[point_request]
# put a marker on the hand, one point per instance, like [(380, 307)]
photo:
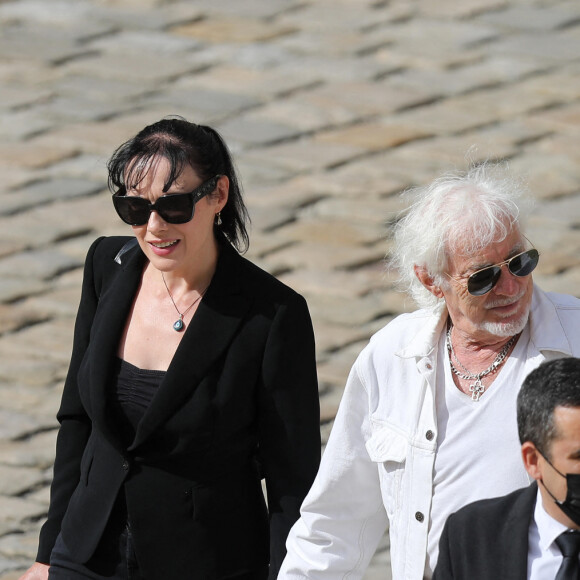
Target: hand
[(37, 571)]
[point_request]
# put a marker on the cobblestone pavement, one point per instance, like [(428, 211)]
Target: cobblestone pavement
[(332, 107)]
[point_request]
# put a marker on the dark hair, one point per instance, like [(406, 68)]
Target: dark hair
[(553, 384), (183, 143)]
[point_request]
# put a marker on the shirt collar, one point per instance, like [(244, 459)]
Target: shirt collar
[(546, 331), (548, 528), (425, 342)]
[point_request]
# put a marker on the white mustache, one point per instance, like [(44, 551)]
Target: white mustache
[(505, 301)]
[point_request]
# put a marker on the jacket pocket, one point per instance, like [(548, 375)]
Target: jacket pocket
[(388, 449)]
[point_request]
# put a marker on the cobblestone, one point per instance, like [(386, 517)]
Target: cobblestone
[(35, 451), (331, 108)]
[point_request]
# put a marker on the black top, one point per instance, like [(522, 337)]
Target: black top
[(133, 390)]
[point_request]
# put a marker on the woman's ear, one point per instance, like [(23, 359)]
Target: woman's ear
[(222, 192), (427, 280)]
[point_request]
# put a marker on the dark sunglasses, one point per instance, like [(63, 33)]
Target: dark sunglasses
[(174, 208), (482, 281)]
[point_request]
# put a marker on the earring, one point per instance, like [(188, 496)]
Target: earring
[(218, 218)]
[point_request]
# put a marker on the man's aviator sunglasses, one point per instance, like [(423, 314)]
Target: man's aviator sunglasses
[(174, 208), (482, 281)]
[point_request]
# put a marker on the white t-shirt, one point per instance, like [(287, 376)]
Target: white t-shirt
[(478, 449)]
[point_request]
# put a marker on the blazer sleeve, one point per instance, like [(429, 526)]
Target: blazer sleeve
[(75, 426), (289, 420)]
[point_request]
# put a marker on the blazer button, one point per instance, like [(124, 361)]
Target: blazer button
[(419, 517), (126, 465), (429, 435)]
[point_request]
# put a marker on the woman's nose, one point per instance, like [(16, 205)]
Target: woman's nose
[(156, 223)]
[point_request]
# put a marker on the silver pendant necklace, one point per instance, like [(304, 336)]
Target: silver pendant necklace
[(477, 389), (179, 325)]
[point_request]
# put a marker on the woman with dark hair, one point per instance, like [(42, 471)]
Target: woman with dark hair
[(192, 378)]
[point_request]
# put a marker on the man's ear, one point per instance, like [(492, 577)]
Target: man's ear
[(427, 280), (532, 457)]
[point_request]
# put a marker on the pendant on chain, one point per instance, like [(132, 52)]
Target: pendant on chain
[(179, 325), (477, 390)]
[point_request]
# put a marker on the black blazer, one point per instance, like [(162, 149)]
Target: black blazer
[(488, 539), (239, 402)]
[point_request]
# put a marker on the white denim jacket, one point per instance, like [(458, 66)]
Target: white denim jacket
[(378, 465)]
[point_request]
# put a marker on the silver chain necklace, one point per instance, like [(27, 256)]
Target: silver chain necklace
[(477, 387), (179, 325)]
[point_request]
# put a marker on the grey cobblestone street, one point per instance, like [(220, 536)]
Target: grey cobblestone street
[(331, 107)]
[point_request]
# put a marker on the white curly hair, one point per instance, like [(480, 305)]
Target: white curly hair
[(458, 213)]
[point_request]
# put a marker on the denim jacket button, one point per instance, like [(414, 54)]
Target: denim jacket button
[(419, 517), (429, 435)]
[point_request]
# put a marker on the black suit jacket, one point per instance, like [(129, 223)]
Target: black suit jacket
[(239, 402), (488, 539)]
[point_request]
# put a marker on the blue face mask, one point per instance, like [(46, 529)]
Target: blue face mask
[(571, 505)]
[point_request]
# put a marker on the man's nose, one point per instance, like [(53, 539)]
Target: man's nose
[(508, 284)]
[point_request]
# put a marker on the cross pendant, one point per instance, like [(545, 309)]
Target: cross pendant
[(476, 390)]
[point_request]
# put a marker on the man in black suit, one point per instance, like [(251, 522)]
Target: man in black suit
[(519, 536)]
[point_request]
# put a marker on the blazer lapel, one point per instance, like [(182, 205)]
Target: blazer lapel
[(514, 536), (213, 326), (115, 302)]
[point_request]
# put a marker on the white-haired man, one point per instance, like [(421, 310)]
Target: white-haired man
[(427, 422)]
